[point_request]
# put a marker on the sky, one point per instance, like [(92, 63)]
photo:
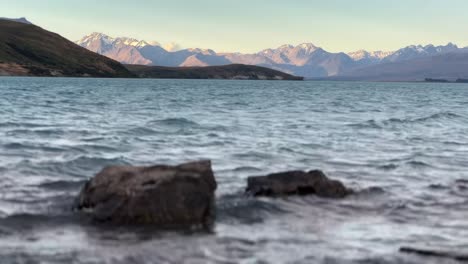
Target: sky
[(252, 25)]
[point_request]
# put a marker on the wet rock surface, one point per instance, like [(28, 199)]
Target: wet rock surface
[(296, 183), (164, 196)]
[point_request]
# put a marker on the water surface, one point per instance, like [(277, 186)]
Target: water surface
[(408, 139)]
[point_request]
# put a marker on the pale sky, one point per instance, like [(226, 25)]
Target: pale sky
[(253, 25)]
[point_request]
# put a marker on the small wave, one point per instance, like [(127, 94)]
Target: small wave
[(16, 145), (379, 124), (141, 131), (388, 167), (253, 154), (178, 122), (82, 166), (96, 147), (461, 181), (21, 222), (417, 164), (367, 124), (442, 115), (247, 169), (438, 186), (38, 132), (22, 124), (62, 185), (373, 190), (246, 210)]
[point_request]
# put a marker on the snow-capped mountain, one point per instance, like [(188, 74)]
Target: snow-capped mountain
[(304, 59), (419, 51), (134, 51), (369, 57)]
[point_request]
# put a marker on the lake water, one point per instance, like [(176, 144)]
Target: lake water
[(408, 139)]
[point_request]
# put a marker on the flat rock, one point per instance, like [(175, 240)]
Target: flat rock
[(296, 183), (165, 196)]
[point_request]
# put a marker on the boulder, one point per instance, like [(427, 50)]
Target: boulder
[(164, 196), (296, 183)]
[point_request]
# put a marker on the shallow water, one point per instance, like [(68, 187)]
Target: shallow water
[(410, 140)]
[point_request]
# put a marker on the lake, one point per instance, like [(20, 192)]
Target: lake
[(402, 146)]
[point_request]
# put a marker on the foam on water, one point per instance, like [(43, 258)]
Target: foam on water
[(404, 146)]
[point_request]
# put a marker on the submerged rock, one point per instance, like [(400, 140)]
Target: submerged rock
[(296, 183), (165, 196)]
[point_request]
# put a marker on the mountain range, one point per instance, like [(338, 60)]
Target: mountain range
[(28, 50), (305, 59)]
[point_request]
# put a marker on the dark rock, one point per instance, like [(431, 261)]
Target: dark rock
[(435, 253), (165, 196), (296, 183)]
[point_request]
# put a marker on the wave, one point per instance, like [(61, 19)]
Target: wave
[(380, 124), (247, 169), (62, 185), (22, 124), (254, 155), (388, 167), (19, 146), (240, 208), (141, 131), (416, 163), (26, 221), (82, 166), (174, 122), (38, 132)]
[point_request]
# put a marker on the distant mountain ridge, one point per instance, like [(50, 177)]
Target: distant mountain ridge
[(305, 59), (449, 66)]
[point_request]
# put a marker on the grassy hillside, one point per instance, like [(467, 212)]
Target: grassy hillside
[(233, 71), (32, 51)]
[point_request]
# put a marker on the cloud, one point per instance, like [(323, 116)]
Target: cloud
[(154, 43), (172, 46)]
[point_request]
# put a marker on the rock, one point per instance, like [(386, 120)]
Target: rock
[(165, 196), (296, 183), (435, 253)]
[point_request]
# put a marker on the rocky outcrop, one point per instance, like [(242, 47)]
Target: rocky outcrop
[(164, 196), (296, 183)]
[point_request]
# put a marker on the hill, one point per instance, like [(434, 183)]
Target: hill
[(233, 71), (28, 50)]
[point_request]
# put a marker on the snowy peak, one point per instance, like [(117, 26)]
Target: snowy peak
[(307, 47), (406, 53), (418, 51), (94, 37), (202, 51), (362, 55), (289, 54)]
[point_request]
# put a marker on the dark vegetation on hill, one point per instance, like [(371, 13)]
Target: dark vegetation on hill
[(28, 50), (233, 71)]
